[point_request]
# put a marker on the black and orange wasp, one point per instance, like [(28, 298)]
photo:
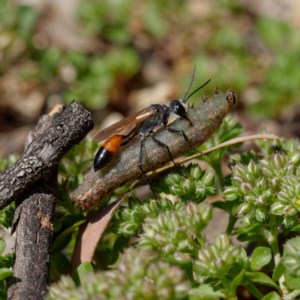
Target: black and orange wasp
[(144, 123)]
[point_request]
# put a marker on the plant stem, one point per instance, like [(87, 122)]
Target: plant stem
[(253, 290), (273, 241), (292, 295)]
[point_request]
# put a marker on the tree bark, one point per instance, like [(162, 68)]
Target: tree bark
[(64, 130), (35, 193), (33, 222)]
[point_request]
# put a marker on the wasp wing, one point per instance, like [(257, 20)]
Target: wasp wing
[(132, 120)]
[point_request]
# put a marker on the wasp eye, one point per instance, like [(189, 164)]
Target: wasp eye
[(177, 108)]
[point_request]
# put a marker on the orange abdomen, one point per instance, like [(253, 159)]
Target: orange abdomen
[(107, 150), (113, 144)]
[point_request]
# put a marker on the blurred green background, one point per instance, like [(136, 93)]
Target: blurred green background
[(122, 55)]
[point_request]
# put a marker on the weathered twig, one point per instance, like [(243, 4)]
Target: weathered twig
[(35, 205), (65, 130), (33, 224), (206, 118), (34, 228)]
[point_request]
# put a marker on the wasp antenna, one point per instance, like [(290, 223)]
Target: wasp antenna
[(190, 85), (196, 90)]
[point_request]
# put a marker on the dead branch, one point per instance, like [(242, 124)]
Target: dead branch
[(35, 205), (66, 129)]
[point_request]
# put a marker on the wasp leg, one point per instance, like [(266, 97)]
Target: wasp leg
[(163, 145), (141, 161), (172, 129)]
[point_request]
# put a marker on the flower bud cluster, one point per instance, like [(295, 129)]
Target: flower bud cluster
[(176, 234), (192, 184), (128, 220), (139, 275), (215, 260), (268, 185), (291, 257)]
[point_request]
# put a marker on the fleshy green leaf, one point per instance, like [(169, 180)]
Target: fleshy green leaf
[(205, 292), (5, 272), (293, 282), (82, 271), (271, 296), (262, 278), (63, 239), (237, 280), (2, 246), (296, 228), (260, 257)]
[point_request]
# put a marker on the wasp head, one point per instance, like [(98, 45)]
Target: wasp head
[(178, 108)]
